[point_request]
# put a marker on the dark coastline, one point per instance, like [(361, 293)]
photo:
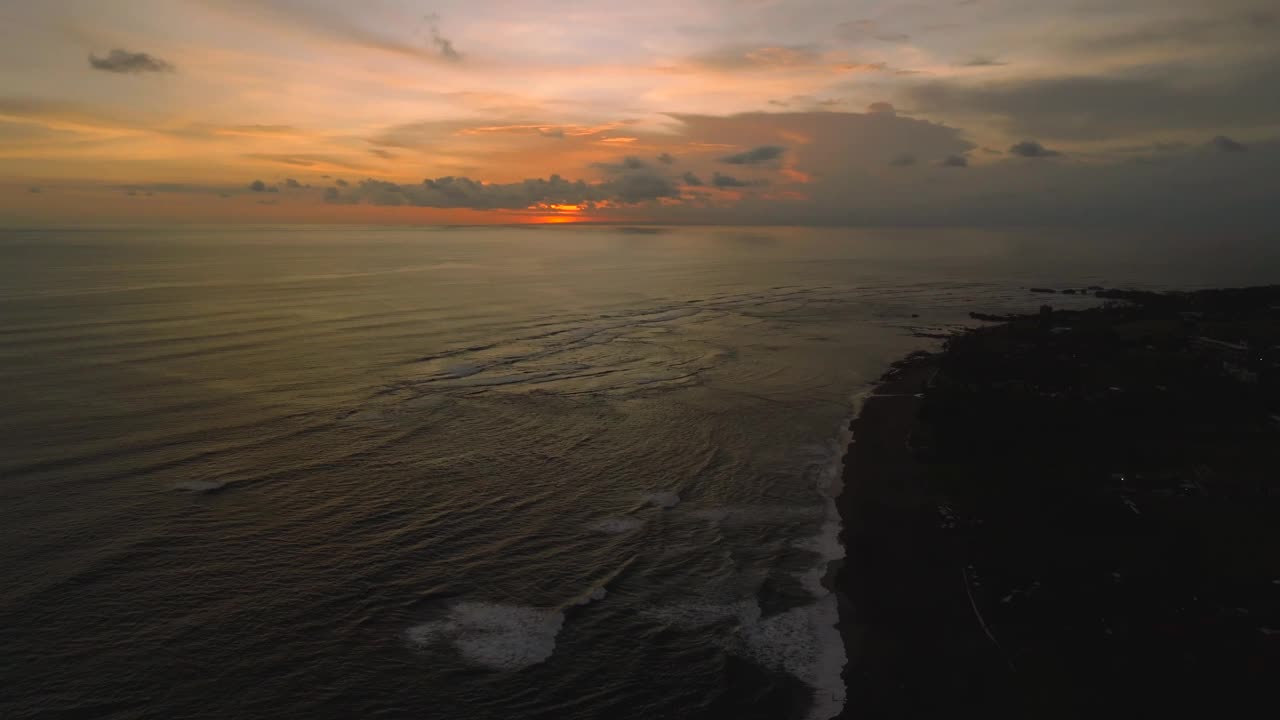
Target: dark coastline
[(1070, 514), (913, 646)]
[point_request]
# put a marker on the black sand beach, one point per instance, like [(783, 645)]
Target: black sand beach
[(914, 645), (1071, 514)]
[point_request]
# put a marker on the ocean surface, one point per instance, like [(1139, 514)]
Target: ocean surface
[(472, 473)]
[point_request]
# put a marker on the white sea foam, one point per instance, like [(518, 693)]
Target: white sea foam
[(803, 642), (664, 500), (826, 543), (498, 637), (617, 525), (815, 628)]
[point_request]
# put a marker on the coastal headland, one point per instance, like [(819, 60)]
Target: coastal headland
[(1071, 514)]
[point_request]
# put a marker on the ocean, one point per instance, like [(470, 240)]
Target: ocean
[(551, 472)]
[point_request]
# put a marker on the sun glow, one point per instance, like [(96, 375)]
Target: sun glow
[(549, 213), (555, 219)]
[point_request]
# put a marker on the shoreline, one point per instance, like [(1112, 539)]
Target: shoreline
[(902, 604)]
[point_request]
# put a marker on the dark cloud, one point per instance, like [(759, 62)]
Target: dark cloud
[(334, 196), (638, 188), (384, 154), (1219, 26), (864, 29), (846, 159), (557, 133), (955, 161), (904, 160), (462, 192), (442, 44), (292, 183), (1118, 104), (983, 61), (627, 164), (756, 156), (341, 183), (1189, 188), (882, 107), (1032, 149), (728, 181), (125, 62), (1226, 144), (666, 158), (347, 23), (259, 186), (34, 189), (843, 151)]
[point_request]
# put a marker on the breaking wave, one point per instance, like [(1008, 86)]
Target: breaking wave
[(497, 637)]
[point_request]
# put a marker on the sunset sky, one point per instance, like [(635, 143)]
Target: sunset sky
[(685, 111)]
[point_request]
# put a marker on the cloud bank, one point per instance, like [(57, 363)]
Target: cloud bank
[(762, 154), (1032, 149), (464, 192), (129, 63)]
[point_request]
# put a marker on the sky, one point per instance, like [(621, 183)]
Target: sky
[(827, 112)]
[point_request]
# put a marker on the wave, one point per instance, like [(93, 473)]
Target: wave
[(826, 666), (803, 642), (497, 637)]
